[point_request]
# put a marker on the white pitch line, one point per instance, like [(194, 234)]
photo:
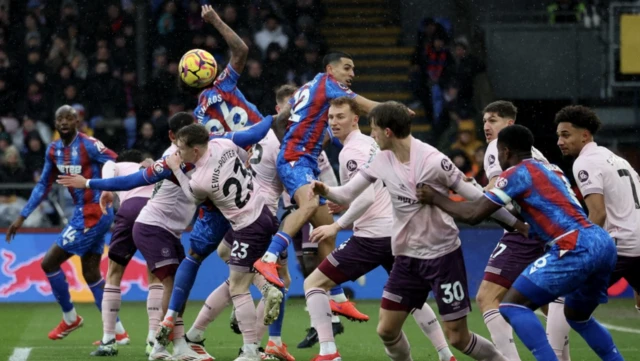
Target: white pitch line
[(607, 326), (20, 354)]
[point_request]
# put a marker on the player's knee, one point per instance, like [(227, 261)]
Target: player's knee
[(224, 252), (457, 336), (114, 273), (386, 332), (91, 275), (486, 299)]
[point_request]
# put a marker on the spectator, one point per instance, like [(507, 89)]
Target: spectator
[(5, 141), (566, 11), (275, 69), (310, 66), (104, 93), (36, 104), (463, 71), (481, 176), (34, 154), (80, 66), (148, 142), (254, 51), (7, 96), (122, 53), (254, 86), (271, 33), (12, 170), (194, 20), (29, 125), (34, 65), (467, 141)]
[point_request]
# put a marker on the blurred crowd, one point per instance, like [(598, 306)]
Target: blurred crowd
[(85, 53)]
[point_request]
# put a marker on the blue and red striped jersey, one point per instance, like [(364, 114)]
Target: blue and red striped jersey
[(545, 199), (85, 156), (223, 108), (309, 116)]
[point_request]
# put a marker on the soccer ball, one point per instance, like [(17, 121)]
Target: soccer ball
[(197, 68)]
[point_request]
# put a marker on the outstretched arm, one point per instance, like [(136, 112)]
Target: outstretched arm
[(252, 135), (239, 49), (471, 191), (344, 194), (469, 212)]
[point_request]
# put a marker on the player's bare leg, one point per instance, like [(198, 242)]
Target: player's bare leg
[(488, 298), (396, 344), (471, 344), (51, 265)]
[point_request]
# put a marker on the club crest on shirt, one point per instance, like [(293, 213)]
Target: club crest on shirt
[(343, 86), (74, 151), (501, 182), (446, 165), (158, 167), (352, 165), (583, 176), (492, 159)]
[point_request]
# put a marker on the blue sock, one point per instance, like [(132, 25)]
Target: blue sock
[(60, 289), (337, 290), (279, 243), (275, 329), (185, 277), (529, 329), (598, 338)]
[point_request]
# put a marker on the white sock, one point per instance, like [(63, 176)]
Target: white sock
[(195, 335), (179, 343), (335, 319), (119, 328), (250, 348), (270, 258), (328, 348), (70, 317), (276, 339), (151, 336), (339, 298), (445, 354), (171, 313), (108, 337)]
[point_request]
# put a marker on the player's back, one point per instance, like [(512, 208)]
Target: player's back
[(377, 221), (309, 117), (221, 175), (168, 207), (265, 174), (127, 168), (223, 108), (546, 202), (419, 231), (598, 170)]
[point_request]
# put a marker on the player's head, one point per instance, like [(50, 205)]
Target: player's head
[(343, 116), (576, 126), (496, 116), (178, 121), (389, 121), (192, 142), (283, 94), (130, 155), (66, 121), (340, 66), (514, 145)]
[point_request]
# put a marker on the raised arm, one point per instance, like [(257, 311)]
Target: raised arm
[(344, 194), (239, 49), (252, 135)]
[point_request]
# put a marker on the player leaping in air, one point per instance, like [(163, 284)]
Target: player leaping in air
[(580, 255), (73, 153), (298, 164)]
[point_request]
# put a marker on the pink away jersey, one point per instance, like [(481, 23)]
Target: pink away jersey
[(263, 167), (126, 168), (221, 177), (169, 207), (492, 165), (598, 171), (419, 231), (358, 151)]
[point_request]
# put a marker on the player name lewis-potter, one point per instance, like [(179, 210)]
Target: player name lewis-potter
[(215, 178)]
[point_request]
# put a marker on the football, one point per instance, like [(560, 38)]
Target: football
[(197, 68)]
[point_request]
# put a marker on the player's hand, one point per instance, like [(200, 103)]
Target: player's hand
[(174, 161), (318, 188), (425, 194), (13, 228), (72, 181), (147, 163), (208, 14), (522, 227), (335, 208), (322, 233), (106, 201)]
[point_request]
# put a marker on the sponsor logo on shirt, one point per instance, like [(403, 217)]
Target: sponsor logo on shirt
[(583, 176), (69, 169)]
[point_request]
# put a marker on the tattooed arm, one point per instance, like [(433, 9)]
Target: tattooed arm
[(239, 49)]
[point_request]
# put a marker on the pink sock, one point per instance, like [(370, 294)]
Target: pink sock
[(428, 323), (398, 349), (246, 316), (259, 281), (154, 307), (320, 311), (178, 329), (501, 334), (215, 303), (481, 349), (260, 326), (558, 330), (111, 301)]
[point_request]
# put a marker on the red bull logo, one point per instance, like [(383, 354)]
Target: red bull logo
[(24, 276)]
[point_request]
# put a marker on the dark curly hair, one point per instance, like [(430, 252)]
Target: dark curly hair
[(580, 116)]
